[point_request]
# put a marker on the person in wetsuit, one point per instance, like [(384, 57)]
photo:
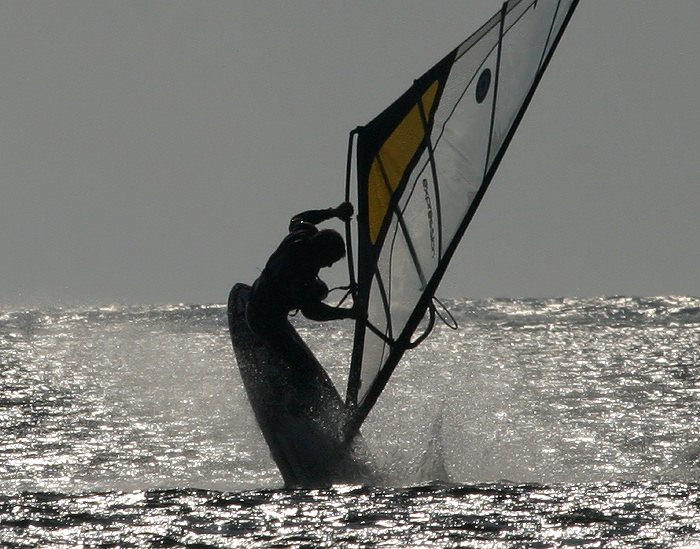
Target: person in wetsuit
[(290, 282)]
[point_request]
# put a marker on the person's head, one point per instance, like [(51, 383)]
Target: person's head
[(328, 247)]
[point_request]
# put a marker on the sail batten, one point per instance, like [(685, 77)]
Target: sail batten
[(422, 168)]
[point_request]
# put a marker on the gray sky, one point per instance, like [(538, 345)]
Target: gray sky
[(153, 152)]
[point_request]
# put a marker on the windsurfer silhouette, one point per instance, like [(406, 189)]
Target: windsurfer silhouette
[(290, 282)]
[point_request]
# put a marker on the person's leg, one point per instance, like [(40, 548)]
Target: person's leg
[(279, 334)]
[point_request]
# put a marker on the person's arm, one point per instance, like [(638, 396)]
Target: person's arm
[(343, 212), (318, 310)]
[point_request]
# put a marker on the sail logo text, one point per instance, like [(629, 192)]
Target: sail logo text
[(429, 205)]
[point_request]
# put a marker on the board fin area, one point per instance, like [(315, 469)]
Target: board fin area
[(297, 408)]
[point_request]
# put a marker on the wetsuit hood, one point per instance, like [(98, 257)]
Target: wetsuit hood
[(328, 247)]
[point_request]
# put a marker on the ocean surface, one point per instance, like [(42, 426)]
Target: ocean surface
[(537, 423)]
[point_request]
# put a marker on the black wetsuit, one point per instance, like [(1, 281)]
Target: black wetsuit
[(290, 282)]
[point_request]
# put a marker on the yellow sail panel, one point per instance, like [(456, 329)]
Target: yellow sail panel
[(394, 157)]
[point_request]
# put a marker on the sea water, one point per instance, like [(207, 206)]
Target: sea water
[(537, 423)]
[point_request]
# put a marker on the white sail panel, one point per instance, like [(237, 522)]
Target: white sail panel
[(530, 29)]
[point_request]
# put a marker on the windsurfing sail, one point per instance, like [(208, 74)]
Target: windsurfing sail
[(422, 167)]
